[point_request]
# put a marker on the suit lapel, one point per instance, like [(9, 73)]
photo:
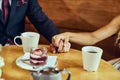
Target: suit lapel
[(1, 17), (12, 11)]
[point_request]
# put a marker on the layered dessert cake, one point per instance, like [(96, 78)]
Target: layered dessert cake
[(38, 56)]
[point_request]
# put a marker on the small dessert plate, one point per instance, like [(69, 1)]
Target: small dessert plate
[(23, 62)]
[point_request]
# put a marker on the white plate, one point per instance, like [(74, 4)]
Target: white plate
[(51, 62)]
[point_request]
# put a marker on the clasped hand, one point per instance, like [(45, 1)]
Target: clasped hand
[(60, 44)]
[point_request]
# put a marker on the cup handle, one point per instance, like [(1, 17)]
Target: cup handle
[(16, 42), (68, 72)]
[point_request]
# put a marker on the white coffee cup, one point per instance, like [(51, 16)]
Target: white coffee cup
[(2, 63), (29, 40), (91, 56)]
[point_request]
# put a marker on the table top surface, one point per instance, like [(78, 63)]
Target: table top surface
[(71, 60)]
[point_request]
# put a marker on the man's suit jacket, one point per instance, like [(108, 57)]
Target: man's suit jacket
[(16, 22)]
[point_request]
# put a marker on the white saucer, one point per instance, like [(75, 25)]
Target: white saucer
[(51, 62)]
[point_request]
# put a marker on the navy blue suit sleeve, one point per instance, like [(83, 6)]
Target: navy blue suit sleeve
[(42, 23)]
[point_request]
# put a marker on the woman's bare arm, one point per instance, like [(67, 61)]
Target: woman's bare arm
[(90, 38), (107, 30)]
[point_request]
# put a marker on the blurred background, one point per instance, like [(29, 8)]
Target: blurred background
[(82, 15)]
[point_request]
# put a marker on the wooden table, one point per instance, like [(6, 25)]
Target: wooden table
[(71, 61)]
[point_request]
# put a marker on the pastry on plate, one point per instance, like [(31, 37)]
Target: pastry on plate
[(38, 56)]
